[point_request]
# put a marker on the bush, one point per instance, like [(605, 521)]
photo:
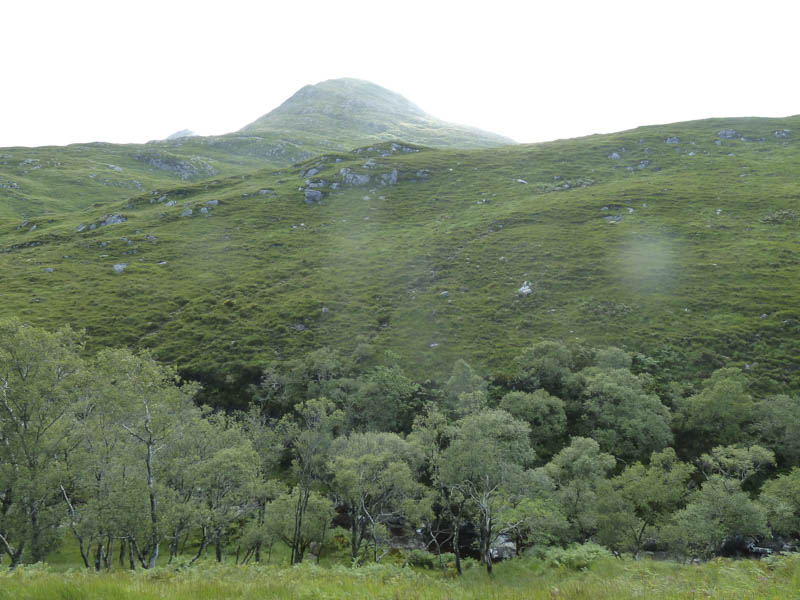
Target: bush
[(422, 559), (577, 556)]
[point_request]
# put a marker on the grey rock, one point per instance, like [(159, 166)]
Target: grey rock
[(120, 267), (643, 164), (525, 289), (370, 164), (613, 218), (80, 227), (614, 156), (753, 139), (266, 192), (521, 181), (691, 153), (350, 178), (445, 294), (171, 203), (203, 210), (212, 202), (673, 139), (48, 269), (312, 196), (718, 142), (187, 212), (311, 172), (502, 548), (112, 220), (727, 134), (783, 133), (150, 238), (389, 178), (115, 168)]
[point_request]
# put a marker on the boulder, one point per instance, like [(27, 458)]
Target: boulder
[(350, 178), (389, 178), (525, 289), (673, 139), (502, 548), (783, 133), (120, 267), (614, 156), (727, 134), (312, 196)]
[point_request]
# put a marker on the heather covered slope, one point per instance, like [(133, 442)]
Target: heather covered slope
[(680, 241)]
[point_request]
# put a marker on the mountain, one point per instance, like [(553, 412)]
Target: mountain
[(334, 115), (679, 241), (181, 134), (345, 113)]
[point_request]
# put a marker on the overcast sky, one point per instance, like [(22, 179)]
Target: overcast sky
[(131, 71)]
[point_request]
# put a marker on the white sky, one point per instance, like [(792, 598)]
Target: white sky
[(131, 71)]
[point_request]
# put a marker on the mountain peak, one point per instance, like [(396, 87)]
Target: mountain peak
[(357, 112)]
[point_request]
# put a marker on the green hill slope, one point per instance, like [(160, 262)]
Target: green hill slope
[(339, 114), (680, 240)]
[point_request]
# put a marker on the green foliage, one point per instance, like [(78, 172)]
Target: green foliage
[(543, 413), (781, 498), (621, 415), (719, 413), (577, 472), (576, 557), (718, 511), (778, 425), (635, 503)]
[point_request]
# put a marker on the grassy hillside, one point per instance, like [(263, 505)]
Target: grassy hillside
[(341, 114), (687, 250), (334, 115)]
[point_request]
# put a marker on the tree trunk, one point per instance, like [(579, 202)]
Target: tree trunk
[(218, 549), (151, 563), (108, 557), (203, 542), (98, 554), (457, 545)]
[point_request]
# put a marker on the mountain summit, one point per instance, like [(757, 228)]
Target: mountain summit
[(355, 112)]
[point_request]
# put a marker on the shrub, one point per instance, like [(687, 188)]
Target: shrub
[(577, 556)]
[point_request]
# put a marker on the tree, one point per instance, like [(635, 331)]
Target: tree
[(384, 400), (640, 499), (40, 383), (719, 414), (543, 413), (545, 365), (281, 521), (373, 477), (310, 437), (577, 472), (781, 499), (224, 478), (489, 450), (153, 407), (621, 416), (736, 462), (718, 511), (465, 391), (777, 420)]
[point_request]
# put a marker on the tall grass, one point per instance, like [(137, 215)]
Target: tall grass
[(526, 578)]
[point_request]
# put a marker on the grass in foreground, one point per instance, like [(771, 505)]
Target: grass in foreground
[(524, 578)]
